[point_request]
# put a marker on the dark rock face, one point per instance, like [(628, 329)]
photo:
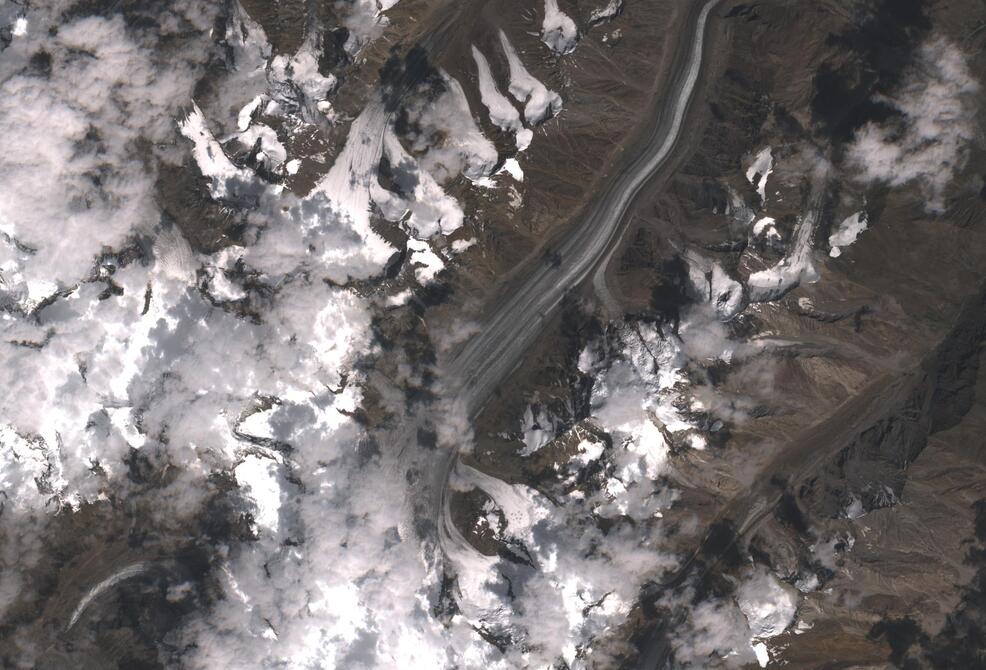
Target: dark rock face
[(962, 641), (113, 588), (874, 55), (207, 225), (284, 22), (934, 397)]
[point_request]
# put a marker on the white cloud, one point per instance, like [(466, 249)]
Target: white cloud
[(165, 364), (225, 178), (104, 95), (450, 141), (930, 143), (155, 366), (272, 150), (365, 21), (426, 262), (715, 634), (768, 604), (576, 588), (730, 632), (765, 227), (303, 68), (77, 183), (428, 209)]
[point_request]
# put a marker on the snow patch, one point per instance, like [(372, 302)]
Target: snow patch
[(426, 263), (759, 170), (428, 209), (259, 481), (796, 267), (245, 117), (558, 30), (502, 112), (726, 293), (272, 151), (537, 428), (540, 102), (633, 399), (609, 11), (768, 604), (211, 159), (765, 226), (512, 167), (458, 246), (846, 233), (763, 656)]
